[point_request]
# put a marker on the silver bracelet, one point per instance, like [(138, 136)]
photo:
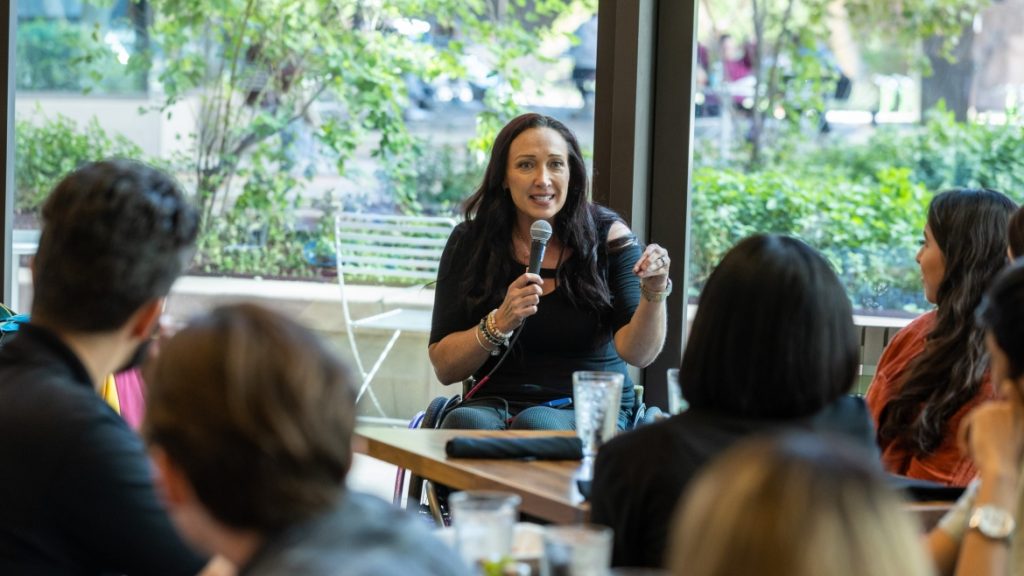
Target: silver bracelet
[(656, 296), (489, 336)]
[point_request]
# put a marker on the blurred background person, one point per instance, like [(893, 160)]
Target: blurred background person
[(249, 421), (935, 370), (794, 505), (584, 62)]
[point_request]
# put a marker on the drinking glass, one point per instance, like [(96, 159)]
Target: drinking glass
[(579, 550), (484, 523), (676, 402), (596, 398)]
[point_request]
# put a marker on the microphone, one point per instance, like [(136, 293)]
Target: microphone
[(540, 232)]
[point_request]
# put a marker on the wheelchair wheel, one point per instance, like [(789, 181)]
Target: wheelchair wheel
[(431, 420), (432, 415)]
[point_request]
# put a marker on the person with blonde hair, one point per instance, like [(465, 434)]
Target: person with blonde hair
[(794, 505)]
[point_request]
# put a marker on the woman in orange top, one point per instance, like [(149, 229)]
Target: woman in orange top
[(935, 370)]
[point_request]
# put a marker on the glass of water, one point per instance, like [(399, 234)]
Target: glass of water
[(484, 523), (596, 398)]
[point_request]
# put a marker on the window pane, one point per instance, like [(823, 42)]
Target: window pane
[(278, 118), (837, 125)]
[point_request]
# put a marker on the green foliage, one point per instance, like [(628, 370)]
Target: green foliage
[(56, 55), (909, 21), (49, 148), (791, 73), (444, 176), (868, 232), (337, 68), (941, 154), (256, 235), (261, 65), (862, 205)]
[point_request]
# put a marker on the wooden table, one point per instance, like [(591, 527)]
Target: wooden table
[(548, 488)]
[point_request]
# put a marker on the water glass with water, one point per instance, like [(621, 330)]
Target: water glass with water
[(596, 398), (484, 523)]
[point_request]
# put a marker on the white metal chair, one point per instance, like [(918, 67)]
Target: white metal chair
[(386, 249), (875, 333)]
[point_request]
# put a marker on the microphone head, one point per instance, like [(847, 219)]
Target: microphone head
[(540, 231)]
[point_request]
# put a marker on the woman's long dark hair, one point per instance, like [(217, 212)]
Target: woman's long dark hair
[(1002, 314), (491, 215), (969, 227), (773, 337)]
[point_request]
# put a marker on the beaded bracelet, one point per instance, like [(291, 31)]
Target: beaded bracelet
[(492, 326), (489, 336), (491, 351)]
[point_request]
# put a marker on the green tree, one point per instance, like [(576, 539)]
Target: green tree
[(791, 78), (256, 68)]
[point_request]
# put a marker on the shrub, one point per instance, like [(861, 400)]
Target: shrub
[(52, 147), (869, 232)]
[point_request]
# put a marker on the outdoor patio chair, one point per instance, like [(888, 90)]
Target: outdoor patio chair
[(385, 249)]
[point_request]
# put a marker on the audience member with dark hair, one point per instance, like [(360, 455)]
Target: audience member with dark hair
[(935, 370), (77, 487), (1016, 234), (772, 346), (982, 534), (794, 505), (597, 304), (250, 421)]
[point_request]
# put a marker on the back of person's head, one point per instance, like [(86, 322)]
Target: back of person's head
[(116, 234), (773, 336), (970, 229), (1016, 234), (1001, 313), (256, 412), (796, 505)]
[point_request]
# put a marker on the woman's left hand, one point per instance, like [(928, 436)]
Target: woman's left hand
[(653, 264)]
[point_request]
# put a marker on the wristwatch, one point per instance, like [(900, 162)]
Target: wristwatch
[(992, 522)]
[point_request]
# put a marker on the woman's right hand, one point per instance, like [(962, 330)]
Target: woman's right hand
[(993, 435), (521, 300)]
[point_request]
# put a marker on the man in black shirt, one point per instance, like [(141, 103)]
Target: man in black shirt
[(76, 490)]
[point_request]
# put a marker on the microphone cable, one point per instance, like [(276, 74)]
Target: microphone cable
[(479, 384)]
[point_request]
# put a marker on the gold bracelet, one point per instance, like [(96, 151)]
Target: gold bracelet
[(656, 296), (491, 351), (490, 336)]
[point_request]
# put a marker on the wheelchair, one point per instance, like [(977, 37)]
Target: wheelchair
[(430, 499)]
